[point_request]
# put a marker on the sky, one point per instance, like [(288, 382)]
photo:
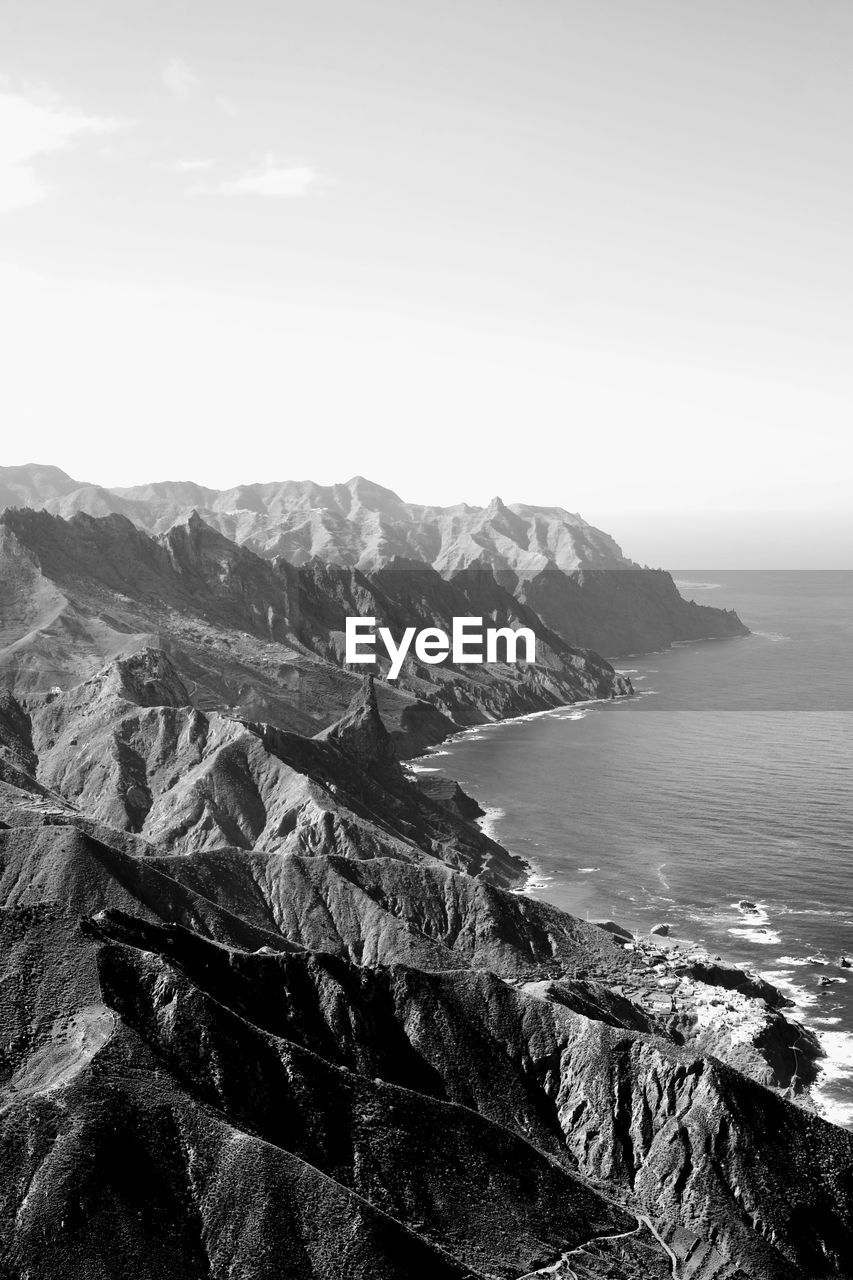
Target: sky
[(568, 252)]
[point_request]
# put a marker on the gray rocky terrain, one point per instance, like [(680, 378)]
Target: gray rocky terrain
[(272, 1004), (353, 1052)]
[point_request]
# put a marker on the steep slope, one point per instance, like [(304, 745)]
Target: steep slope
[(632, 611), (128, 750)]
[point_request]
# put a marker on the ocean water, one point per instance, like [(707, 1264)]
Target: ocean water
[(728, 778)]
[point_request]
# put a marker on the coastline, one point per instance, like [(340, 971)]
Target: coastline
[(734, 1014)]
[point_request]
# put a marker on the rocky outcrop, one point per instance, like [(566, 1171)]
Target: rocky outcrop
[(622, 611), (362, 735)]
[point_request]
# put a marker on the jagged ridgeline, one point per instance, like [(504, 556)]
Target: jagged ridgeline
[(269, 1005), (283, 565)]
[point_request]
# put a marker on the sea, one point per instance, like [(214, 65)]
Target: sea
[(718, 800)]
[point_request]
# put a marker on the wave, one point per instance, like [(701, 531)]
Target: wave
[(488, 822), (835, 1110), (838, 1048), (803, 998), (535, 881), (684, 585), (840, 912), (762, 936)]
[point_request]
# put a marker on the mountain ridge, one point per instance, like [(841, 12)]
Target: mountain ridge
[(256, 639), (575, 577), (358, 522)]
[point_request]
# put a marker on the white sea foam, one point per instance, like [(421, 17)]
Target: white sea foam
[(843, 912), (536, 880), (761, 936), (489, 821), (835, 1069), (585, 871), (570, 710), (781, 978), (774, 636), (684, 585), (833, 1109), (838, 1063)]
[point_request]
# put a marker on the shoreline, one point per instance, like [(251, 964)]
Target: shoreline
[(835, 1043)]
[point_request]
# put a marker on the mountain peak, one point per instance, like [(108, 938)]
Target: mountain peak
[(361, 733), (364, 489)]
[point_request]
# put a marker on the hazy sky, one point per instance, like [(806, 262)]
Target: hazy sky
[(587, 252)]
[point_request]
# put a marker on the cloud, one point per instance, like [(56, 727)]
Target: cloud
[(272, 179), (192, 166), (179, 78), (32, 126)]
